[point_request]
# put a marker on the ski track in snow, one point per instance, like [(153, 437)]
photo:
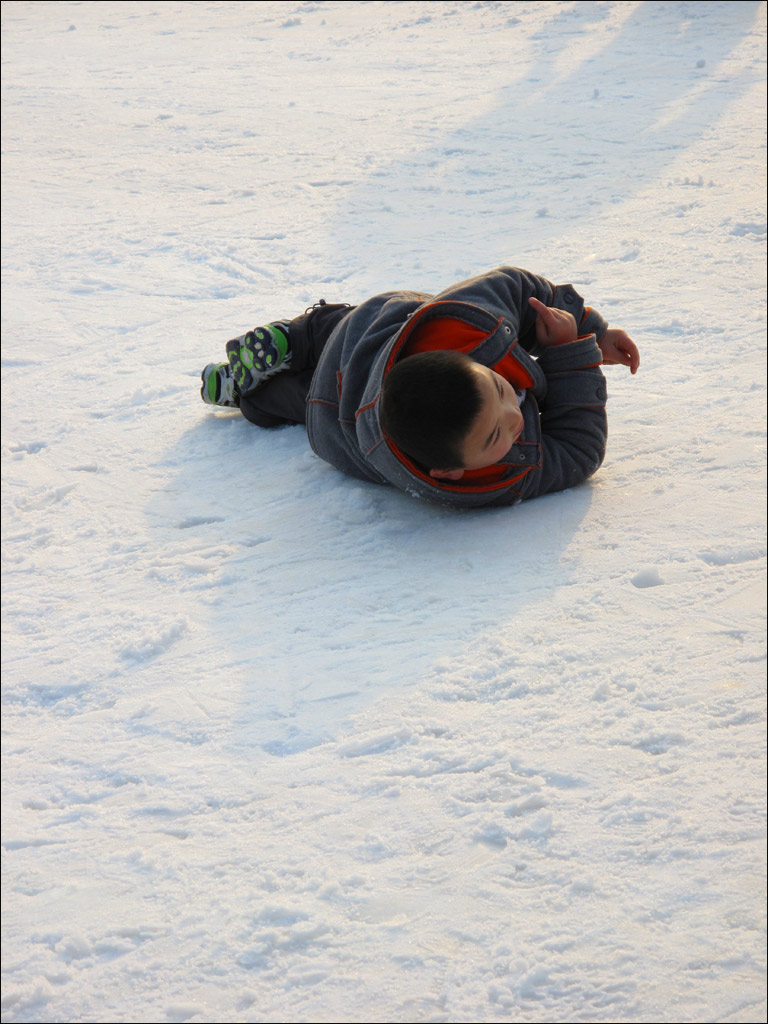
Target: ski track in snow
[(280, 745)]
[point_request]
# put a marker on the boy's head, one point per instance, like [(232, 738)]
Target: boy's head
[(449, 413)]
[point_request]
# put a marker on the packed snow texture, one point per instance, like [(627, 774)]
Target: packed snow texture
[(283, 746)]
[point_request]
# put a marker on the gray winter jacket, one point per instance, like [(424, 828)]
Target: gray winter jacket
[(564, 434)]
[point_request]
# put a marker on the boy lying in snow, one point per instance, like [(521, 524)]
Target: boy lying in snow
[(486, 394)]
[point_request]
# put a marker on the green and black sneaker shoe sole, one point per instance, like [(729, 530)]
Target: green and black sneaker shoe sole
[(258, 355)]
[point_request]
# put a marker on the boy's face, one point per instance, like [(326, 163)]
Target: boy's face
[(498, 424), (496, 428)]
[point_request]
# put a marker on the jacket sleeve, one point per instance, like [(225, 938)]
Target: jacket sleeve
[(572, 415), (506, 291)]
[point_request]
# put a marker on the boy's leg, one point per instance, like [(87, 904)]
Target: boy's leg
[(282, 398), (310, 332)]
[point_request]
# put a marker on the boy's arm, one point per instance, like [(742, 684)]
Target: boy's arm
[(572, 417)]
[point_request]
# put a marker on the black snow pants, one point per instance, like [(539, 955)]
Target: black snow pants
[(282, 399)]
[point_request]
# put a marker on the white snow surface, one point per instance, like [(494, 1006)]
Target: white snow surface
[(284, 746)]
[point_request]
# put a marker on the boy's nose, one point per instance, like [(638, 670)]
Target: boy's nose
[(515, 420)]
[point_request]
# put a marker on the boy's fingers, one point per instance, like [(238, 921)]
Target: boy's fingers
[(631, 359), (546, 315), (631, 353)]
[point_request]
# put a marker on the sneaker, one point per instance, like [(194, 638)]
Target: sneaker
[(219, 386), (258, 355)]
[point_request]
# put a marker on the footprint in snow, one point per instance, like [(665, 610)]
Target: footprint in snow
[(647, 578)]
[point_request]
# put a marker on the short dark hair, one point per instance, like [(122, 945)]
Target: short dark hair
[(428, 404)]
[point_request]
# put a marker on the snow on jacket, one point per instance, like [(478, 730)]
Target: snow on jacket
[(489, 318)]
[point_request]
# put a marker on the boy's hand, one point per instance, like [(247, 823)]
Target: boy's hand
[(553, 326), (617, 347)]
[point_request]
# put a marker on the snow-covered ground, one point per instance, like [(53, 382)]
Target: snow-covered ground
[(282, 746)]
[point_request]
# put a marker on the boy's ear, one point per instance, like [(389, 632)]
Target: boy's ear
[(447, 474)]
